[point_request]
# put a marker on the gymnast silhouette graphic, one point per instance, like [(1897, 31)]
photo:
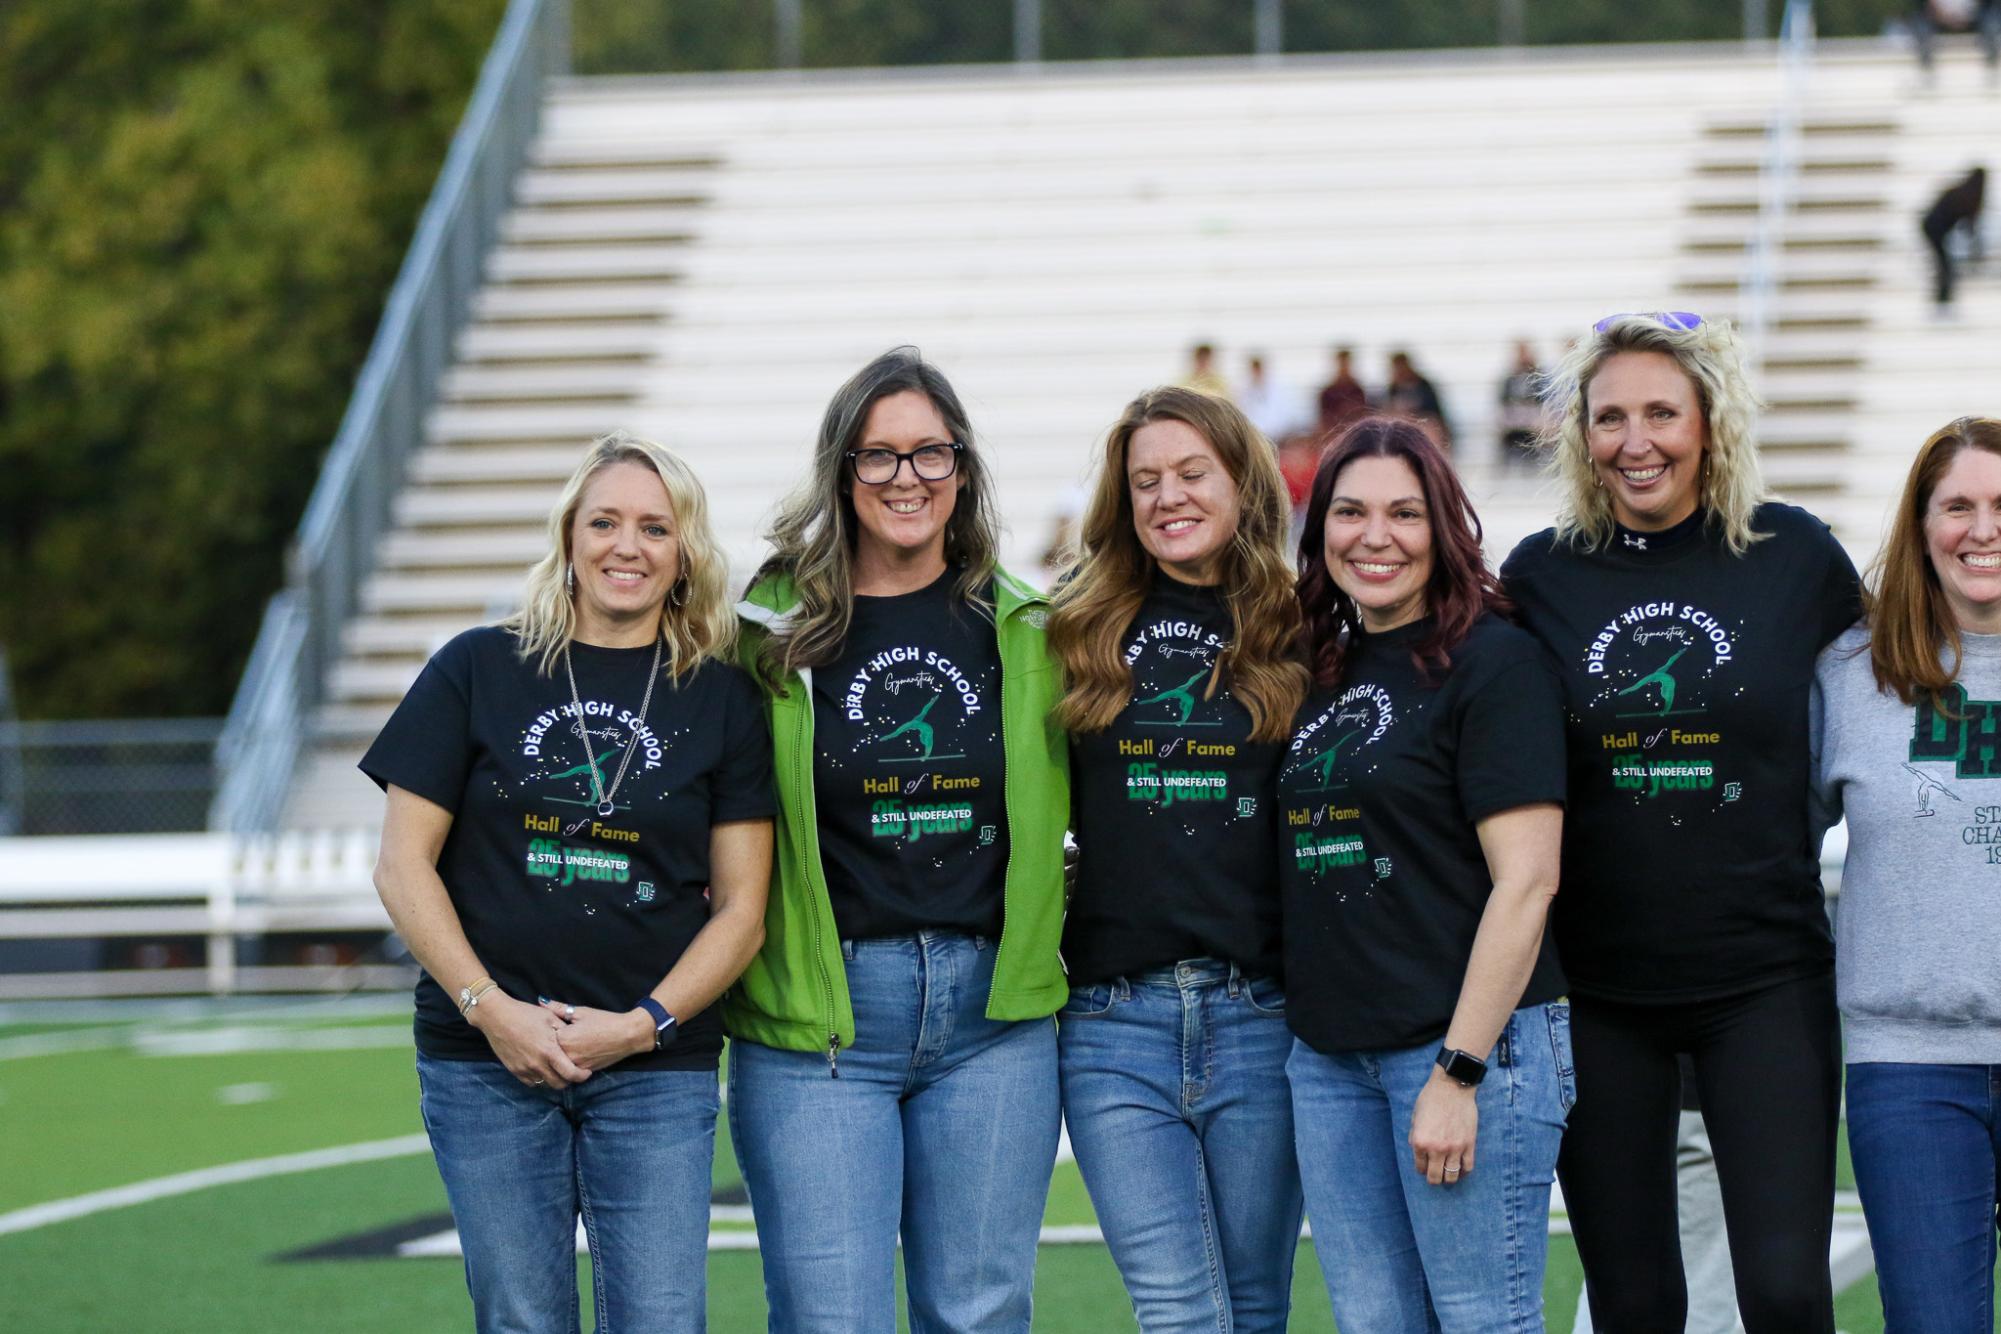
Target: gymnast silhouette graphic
[(1927, 785), (1180, 694), (1324, 761), (918, 728), (585, 768), (1659, 676)]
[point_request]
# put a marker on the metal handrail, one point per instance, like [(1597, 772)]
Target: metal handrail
[(1779, 176), (299, 640)]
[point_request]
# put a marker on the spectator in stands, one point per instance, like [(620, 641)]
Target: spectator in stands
[(1685, 611), (1958, 206), (1176, 637), (1904, 748), (1203, 377), (1421, 810), (1521, 407), (894, 1064), (1982, 15), (580, 810), (1270, 404), (1411, 395), (1342, 399)]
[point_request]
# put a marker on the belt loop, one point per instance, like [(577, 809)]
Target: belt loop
[(1236, 980), (848, 950), (1122, 990)]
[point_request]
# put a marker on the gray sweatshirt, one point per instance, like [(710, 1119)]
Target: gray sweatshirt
[(1918, 931)]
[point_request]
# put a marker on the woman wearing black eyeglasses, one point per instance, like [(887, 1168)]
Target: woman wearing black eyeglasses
[(894, 1069), (1685, 609)]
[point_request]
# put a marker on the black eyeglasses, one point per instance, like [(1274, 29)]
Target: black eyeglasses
[(1683, 321), (876, 466)]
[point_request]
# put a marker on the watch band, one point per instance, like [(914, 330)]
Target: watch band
[(1462, 1068), (666, 1027)]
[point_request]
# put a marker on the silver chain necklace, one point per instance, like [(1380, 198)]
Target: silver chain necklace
[(605, 808)]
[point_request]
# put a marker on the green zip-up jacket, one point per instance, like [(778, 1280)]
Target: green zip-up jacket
[(794, 995)]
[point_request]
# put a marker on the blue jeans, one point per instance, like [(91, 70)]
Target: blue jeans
[(1174, 1092), (1926, 1140), (937, 1120), (1401, 1255), (631, 1152)]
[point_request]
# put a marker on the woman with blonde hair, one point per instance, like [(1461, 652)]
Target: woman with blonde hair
[(1907, 732), (1684, 610), (894, 1064), (576, 847), (1178, 635)]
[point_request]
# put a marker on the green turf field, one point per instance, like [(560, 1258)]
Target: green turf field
[(95, 1098)]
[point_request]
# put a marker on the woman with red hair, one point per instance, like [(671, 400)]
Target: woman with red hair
[(1421, 804)]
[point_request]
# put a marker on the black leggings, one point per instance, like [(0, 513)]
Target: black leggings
[(1769, 1068)]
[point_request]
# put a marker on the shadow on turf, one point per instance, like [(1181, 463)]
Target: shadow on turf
[(387, 1242)]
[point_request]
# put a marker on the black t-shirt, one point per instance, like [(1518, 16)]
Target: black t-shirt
[(555, 899), (908, 768), (1688, 872), (1172, 807), (1378, 796)]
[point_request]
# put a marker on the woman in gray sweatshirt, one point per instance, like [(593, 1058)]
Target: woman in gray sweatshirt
[(1907, 738)]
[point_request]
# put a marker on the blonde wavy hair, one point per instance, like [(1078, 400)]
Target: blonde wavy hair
[(814, 534), (1910, 622), (1096, 605), (697, 621), (1732, 484)]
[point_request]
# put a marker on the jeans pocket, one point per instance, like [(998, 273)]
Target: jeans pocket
[(1265, 996), (1559, 1047), (1085, 1002)]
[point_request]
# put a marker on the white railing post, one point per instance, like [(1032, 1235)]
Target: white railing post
[(1777, 179)]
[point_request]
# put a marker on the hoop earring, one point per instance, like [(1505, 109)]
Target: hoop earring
[(570, 580), (679, 593)]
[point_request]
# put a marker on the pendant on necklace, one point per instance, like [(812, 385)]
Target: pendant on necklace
[(606, 808)]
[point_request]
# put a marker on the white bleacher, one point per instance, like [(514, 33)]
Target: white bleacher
[(705, 260), (216, 886)]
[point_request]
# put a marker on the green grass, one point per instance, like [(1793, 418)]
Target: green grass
[(86, 1120)]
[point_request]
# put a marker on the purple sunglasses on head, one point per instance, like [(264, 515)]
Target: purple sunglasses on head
[(1683, 320)]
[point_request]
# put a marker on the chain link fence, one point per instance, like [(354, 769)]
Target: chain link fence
[(122, 776)]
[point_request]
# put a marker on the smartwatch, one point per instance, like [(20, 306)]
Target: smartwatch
[(666, 1027), (1461, 1068)]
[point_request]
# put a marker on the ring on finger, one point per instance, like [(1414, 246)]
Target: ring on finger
[(569, 1012)]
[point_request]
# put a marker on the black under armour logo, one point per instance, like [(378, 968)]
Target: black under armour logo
[(1638, 543)]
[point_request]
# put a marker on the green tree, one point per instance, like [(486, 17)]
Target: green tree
[(202, 204)]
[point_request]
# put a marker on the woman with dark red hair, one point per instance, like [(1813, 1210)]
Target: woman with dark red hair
[(1422, 813)]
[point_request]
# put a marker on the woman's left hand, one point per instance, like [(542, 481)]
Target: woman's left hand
[(1443, 1127), (596, 1039)]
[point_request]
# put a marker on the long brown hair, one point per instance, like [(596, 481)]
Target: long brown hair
[(1114, 573), (1461, 587), (1909, 623), (814, 535)]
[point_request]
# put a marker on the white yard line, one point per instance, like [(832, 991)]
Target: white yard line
[(184, 1183)]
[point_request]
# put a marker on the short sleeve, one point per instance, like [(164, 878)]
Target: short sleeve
[(742, 786), (1840, 594), (426, 746), (1511, 741)]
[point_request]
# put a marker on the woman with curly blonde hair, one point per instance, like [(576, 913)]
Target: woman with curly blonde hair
[(1178, 635), (1684, 609), (576, 847)]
